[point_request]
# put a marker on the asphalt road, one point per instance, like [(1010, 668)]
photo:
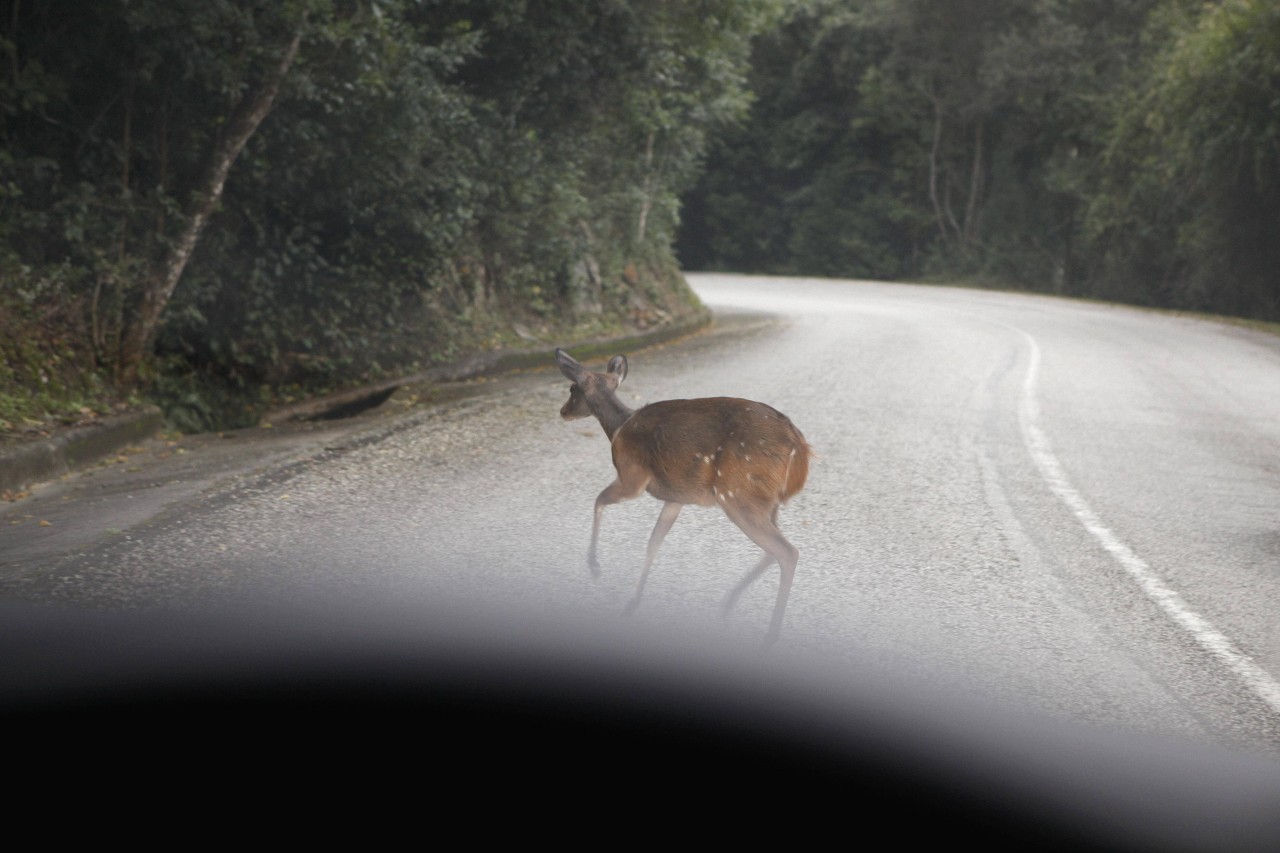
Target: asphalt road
[(1071, 507)]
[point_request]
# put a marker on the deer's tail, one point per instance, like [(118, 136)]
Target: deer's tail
[(797, 466)]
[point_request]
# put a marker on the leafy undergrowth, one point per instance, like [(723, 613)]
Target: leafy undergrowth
[(48, 379), (200, 394)]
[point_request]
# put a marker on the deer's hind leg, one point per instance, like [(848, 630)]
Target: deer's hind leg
[(747, 580), (762, 529), (750, 577)]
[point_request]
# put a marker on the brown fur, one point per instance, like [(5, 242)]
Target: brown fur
[(746, 457), (695, 450)]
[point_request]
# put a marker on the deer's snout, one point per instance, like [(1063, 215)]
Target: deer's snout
[(576, 407)]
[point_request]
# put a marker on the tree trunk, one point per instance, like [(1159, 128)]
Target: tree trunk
[(975, 189), (933, 171), (158, 289), (646, 202)]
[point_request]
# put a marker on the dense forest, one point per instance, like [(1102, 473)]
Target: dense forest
[(1126, 151), (213, 204)]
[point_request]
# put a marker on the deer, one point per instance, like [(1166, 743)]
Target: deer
[(743, 456)]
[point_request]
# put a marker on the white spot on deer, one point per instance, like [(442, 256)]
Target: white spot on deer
[(747, 457), (706, 459)]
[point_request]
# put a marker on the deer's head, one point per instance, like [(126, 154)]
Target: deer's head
[(588, 385)]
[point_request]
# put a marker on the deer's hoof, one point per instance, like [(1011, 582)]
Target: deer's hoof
[(594, 565), (631, 607)]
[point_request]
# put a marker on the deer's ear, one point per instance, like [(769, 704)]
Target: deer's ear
[(618, 367), (569, 366)]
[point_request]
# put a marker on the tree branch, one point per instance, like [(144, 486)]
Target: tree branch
[(245, 118)]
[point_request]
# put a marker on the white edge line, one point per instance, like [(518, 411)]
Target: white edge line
[(1257, 679)]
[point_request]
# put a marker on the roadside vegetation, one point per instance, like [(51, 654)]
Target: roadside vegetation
[(217, 204), (1120, 151)]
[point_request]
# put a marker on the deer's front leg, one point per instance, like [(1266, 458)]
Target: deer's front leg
[(615, 492), (670, 510)]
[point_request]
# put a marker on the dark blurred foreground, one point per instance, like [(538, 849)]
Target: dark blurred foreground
[(311, 724)]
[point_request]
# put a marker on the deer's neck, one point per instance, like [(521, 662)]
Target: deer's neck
[(611, 412)]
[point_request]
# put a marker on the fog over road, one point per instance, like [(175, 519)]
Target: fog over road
[(1064, 504)]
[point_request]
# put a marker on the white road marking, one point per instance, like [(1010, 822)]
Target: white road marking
[(1257, 679)]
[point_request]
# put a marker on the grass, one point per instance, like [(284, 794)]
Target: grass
[(45, 383)]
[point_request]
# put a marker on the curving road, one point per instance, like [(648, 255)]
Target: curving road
[(1071, 501), (1063, 504)]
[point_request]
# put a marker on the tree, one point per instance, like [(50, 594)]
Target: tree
[(247, 194), (1182, 210), (128, 119), (243, 119), (898, 138)]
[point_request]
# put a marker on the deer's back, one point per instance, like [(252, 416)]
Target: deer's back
[(712, 450)]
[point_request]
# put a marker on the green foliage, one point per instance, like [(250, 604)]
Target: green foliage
[(808, 184), (1119, 150), (46, 373), (429, 173), (1189, 193), (196, 400)]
